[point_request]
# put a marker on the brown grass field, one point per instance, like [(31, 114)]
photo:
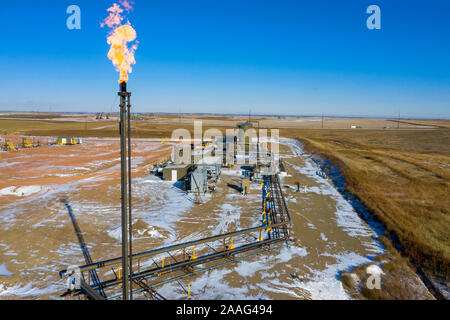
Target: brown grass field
[(403, 179), (401, 176)]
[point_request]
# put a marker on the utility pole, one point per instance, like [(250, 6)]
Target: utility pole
[(322, 120), (398, 121)]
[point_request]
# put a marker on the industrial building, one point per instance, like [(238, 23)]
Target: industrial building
[(204, 177), (198, 182)]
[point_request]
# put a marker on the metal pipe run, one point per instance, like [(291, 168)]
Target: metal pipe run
[(201, 270), (150, 253), (181, 265)]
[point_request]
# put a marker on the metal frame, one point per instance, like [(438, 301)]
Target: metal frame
[(277, 232)]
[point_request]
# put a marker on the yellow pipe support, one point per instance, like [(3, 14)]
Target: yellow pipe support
[(118, 277), (260, 238), (189, 289), (193, 257), (162, 263)]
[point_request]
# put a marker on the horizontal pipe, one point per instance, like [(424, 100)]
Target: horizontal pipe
[(145, 254), (200, 260), (195, 272)]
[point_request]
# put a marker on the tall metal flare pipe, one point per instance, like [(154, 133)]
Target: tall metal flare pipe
[(130, 221), (123, 166)]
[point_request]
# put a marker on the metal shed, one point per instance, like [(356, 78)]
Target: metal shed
[(212, 165), (175, 172), (198, 181)]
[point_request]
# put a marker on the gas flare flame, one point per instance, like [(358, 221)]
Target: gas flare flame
[(121, 55)]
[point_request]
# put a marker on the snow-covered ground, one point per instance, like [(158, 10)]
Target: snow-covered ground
[(293, 270), (305, 268)]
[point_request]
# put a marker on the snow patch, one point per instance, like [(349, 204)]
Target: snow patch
[(20, 191), (4, 270), (27, 290), (325, 284)]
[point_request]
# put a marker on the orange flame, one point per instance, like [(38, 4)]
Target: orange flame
[(118, 38)]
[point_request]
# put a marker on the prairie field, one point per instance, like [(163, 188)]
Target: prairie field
[(400, 175), (403, 178)]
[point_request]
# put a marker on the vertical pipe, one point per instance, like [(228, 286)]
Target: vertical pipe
[(130, 221), (123, 167)]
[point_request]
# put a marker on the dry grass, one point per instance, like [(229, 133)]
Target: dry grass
[(403, 179), (32, 115), (398, 281), (437, 123), (402, 176), (140, 129)]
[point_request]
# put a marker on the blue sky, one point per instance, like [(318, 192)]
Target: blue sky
[(273, 57)]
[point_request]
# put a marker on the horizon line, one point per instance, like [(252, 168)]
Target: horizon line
[(242, 115)]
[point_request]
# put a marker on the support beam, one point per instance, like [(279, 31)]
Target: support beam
[(91, 293)]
